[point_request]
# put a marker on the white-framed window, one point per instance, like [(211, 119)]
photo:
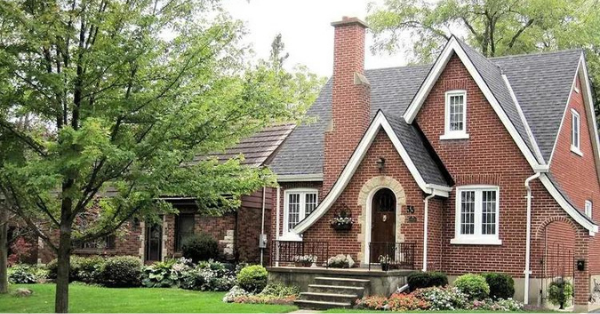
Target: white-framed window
[(455, 115), (588, 208), (477, 215), (575, 132), (298, 204)]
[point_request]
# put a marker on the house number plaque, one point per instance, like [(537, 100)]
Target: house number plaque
[(411, 219), (410, 209)]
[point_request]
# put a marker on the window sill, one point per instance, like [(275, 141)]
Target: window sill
[(576, 150), (476, 241), (454, 136), (290, 237)]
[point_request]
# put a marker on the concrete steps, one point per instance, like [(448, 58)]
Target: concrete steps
[(332, 292)]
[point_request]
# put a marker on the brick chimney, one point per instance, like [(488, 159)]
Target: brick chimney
[(351, 103)]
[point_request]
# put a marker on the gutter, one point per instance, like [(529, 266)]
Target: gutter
[(527, 270), (262, 225), (426, 228)]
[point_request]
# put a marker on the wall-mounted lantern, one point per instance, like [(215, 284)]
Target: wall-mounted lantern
[(580, 264)]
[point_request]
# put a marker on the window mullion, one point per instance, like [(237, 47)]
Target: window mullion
[(302, 205), (478, 212)]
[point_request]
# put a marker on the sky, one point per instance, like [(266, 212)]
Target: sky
[(306, 30)]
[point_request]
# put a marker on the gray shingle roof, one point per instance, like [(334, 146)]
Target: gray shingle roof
[(541, 83)]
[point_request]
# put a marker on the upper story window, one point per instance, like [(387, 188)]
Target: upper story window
[(298, 204), (477, 215), (588, 208), (575, 132), (455, 115)]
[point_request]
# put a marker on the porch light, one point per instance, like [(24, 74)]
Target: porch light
[(381, 164)]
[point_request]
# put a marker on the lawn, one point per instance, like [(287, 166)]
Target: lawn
[(91, 299)]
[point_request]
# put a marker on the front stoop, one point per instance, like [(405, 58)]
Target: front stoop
[(332, 292)]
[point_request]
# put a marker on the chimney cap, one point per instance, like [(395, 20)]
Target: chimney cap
[(350, 21)]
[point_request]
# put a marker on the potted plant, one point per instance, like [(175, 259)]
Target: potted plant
[(304, 260), (385, 261), (560, 292), (342, 221)]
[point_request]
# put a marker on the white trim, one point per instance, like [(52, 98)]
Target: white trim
[(278, 211), (589, 208), (576, 127), (454, 47), (300, 177), (379, 122), (590, 113), (571, 211), (457, 134), (290, 235), (477, 238), (536, 147), (369, 221)]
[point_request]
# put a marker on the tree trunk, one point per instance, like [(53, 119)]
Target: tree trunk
[(61, 302), (3, 250)]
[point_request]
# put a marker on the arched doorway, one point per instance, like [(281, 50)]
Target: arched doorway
[(383, 224)]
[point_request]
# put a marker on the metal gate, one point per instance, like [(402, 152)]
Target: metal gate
[(558, 263)]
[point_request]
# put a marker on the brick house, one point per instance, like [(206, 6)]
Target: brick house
[(237, 232), (469, 164)]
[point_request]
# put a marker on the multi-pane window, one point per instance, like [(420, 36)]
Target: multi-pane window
[(575, 131), (298, 205), (588, 208), (477, 213), (456, 113), (184, 227)]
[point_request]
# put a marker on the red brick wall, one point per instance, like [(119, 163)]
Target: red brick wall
[(350, 102), (249, 225), (346, 242), (576, 175)]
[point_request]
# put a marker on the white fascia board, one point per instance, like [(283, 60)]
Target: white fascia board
[(586, 88), (567, 207), (419, 99), (379, 122), (300, 177)]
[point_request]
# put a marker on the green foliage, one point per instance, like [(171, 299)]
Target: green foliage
[(443, 298), (419, 279), (253, 278), (560, 291), (23, 273), (84, 269), (162, 274), (200, 247), (121, 271), (280, 290), (209, 276), (473, 285), (502, 286)]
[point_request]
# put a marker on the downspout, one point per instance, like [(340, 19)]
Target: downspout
[(277, 226), (527, 270), (426, 228), (262, 224)]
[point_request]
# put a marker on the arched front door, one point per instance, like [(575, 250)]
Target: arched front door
[(383, 223)]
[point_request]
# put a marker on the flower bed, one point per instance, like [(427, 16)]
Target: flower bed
[(271, 294)]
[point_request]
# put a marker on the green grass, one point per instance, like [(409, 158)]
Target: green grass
[(91, 299)]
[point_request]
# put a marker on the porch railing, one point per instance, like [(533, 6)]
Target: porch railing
[(283, 252), (398, 255)]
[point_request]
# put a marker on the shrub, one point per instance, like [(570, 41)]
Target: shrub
[(121, 271), (200, 247), (560, 292), (502, 286), (341, 261), (419, 279), (208, 276), (165, 274), (253, 278), (22, 273), (75, 264), (473, 285), (88, 269), (280, 290), (442, 298)]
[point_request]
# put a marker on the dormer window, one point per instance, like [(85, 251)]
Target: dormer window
[(575, 132), (455, 115)]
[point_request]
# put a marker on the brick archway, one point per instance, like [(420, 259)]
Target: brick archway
[(364, 200), (539, 232)]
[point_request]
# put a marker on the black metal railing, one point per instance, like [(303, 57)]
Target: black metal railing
[(396, 255), (284, 253)]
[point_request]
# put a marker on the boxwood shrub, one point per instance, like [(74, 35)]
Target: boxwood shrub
[(473, 285), (200, 247), (502, 286), (121, 271), (420, 279), (253, 278)]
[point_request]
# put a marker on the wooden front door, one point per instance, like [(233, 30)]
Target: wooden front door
[(383, 224), (153, 242)]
